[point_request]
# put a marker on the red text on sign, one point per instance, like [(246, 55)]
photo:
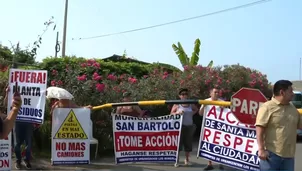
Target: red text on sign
[(4, 163), (225, 116), (76, 146), (28, 77), (147, 141), (60, 146), (215, 137), (71, 149)]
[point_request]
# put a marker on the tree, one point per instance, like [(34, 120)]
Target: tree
[(22, 56), (183, 57)]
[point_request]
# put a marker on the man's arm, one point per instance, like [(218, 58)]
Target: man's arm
[(260, 137), (201, 110), (6, 96), (9, 122), (262, 119)]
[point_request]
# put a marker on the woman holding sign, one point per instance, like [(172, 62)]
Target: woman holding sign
[(188, 128)]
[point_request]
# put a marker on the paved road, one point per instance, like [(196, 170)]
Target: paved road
[(107, 164), (198, 164)]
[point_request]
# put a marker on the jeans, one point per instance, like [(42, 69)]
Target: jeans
[(275, 162), (23, 133)]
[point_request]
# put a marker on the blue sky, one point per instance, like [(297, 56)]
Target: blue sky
[(266, 37)]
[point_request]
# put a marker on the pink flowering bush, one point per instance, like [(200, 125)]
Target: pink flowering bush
[(90, 84), (94, 82)]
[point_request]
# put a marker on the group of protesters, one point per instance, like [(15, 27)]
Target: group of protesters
[(276, 124), (23, 131), (188, 126)]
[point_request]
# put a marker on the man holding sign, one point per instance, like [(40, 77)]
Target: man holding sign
[(7, 125), (214, 93)]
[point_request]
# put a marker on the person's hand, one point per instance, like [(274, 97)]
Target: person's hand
[(263, 154), (180, 112), (89, 107), (55, 104), (17, 101), (7, 89)]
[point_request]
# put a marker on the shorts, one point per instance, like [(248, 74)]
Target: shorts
[(186, 137)]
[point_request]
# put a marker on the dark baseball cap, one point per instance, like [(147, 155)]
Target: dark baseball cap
[(182, 90)]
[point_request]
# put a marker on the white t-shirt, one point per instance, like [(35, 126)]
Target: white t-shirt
[(210, 100)]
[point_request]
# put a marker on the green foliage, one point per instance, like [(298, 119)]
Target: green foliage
[(183, 57), (5, 53), (96, 82), (195, 54), (118, 68), (180, 52), (91, 84)]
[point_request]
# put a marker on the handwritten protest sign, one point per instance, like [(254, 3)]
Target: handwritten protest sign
[(226, 141), (6, 153), (32, 87), (146, 139), (70, 142)]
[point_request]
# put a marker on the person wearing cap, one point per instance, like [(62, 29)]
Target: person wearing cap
[(134, 111), (214, 96), (188, 127)]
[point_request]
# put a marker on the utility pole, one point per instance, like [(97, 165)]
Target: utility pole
[(300, 69), (57, 47), (64, 29), (15, 54)]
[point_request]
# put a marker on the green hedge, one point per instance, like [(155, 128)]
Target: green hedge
[(117, 68)]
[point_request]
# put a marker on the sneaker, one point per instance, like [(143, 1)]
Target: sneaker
[(209, 167), (187, 163), (27, 164), (18, 165), (176, 165)]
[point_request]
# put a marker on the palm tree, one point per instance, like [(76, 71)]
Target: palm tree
[(183, 57)]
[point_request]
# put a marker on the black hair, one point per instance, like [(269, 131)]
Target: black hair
[(281, 85), (182, 90)]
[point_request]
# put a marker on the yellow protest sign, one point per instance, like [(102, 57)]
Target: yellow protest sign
[(71, 128)]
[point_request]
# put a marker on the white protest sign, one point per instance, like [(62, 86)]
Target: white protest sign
[(6, 153), (146, 139), (225, 140), (32, 87), (70, 136)]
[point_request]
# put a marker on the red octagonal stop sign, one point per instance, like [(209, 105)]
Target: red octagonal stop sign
[(245, 104)]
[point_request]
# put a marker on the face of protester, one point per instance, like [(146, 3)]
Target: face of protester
[(214, 94), (127, 99), (287, 95), (183, 95)]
